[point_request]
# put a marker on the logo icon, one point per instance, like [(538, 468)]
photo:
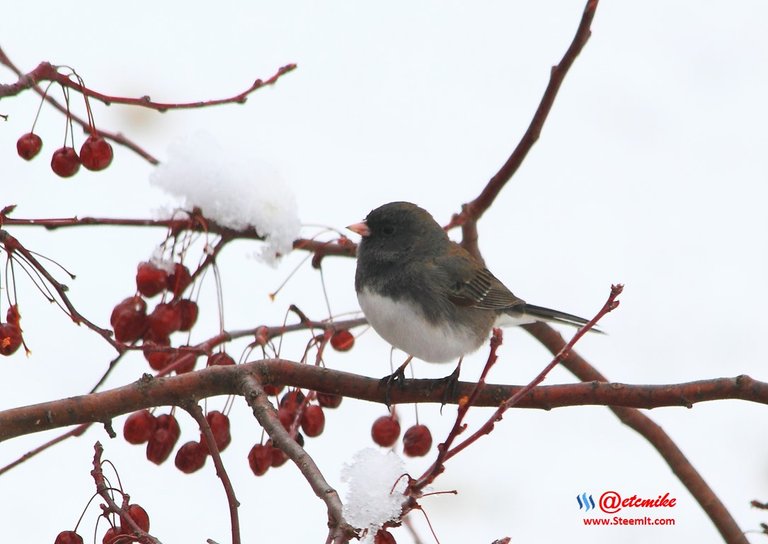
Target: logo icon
[(586, 502)]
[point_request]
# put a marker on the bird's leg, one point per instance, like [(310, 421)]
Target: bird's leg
[(396, 378), (451, 383)]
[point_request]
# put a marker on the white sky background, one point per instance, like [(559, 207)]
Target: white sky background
[(651, 171)]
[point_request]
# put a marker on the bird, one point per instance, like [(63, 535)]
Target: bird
[(428, 296)]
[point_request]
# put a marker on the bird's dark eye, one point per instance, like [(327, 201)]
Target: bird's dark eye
[(387, 230)]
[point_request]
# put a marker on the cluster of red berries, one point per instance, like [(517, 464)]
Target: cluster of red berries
[(122, 533), (161, 433), (131, 322), (294, 411), (417, 440), (10, 332), (95, 154)]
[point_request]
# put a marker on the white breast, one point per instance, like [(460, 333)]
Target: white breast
[(402, 325)]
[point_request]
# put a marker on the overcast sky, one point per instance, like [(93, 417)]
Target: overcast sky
[(651, 171)]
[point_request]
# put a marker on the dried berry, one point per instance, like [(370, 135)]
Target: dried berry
[(219, 424), (342, 340), (129, 319), (179, 279), (220, 359), (164, 438), (260, 459), (65, 162), (139, 517), (10, 338), (139, 427), (29, 145), (417, 440), (68, 537), (164, 319), (96, 153), (385, 431), (313, 420), (191, 457), (329, 400), (150, 279), (188, 311)]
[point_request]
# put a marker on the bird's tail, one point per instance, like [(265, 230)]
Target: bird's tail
[(529, 313)]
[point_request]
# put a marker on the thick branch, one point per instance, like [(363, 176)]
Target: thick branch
[(339, 530), (176, 391)]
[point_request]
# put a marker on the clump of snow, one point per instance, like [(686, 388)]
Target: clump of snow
[(232, 189), (159, 259), (375, 489)]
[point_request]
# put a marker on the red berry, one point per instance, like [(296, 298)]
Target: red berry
[(110, 537), (329, 400), (385, 431), (65, 162), (260, 459), (286, 417), (139, 517), (68, 537), (191, 457), (273, 390), (129, 319), (184, 361), (313, 420), (417, 440), (157, 360), (384, 537), (96, 153), (164, 319), (219, 424), (220, 359), (188, 310), (29, 145), (163, 439), (292, 400), (10, 338), (342, 340), (278, 456), (179, 279), (150, 280), (139, 427)]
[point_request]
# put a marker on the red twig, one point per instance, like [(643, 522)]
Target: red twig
[(103, 489), (475, 209), (46, 71), (197, 413), (12, 245)]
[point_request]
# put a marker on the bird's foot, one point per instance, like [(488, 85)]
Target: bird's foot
[(397, 378)]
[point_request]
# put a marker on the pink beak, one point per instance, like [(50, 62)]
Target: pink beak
[(360, 228)]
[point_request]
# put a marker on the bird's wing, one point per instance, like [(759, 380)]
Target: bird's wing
[(469, 284)]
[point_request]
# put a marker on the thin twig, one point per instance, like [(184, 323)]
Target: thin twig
[(197, 413), (102, 488), (476, 208)]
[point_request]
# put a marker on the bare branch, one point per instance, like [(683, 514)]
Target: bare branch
[(339, 530)]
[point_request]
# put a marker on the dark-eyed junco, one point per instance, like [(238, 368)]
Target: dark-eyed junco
[(425, 294)]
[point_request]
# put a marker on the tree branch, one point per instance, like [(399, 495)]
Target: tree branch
[(175, 391)]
